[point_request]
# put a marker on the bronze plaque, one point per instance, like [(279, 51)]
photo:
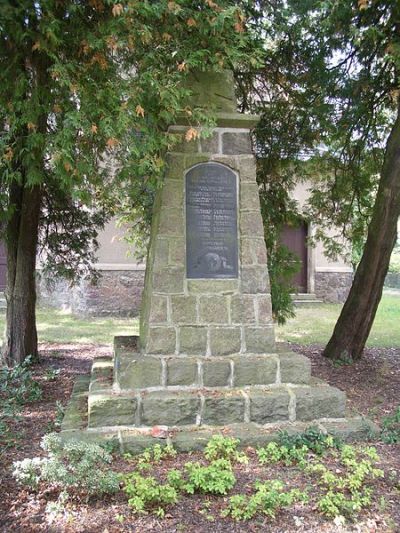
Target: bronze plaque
[(211, 222)]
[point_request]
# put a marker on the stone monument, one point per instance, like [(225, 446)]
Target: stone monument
[(206, 358)]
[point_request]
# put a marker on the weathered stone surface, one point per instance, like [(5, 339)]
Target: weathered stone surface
[(267, 406), (102, 367), (186, 147), (195, 159), (223, 409), (264, 309), (210, 144), (170, 408), (169, 280), (176, 251), (246, 251), (295, 368), (192, 340), (161, 340), (247, 168), (175, 166), (229, 161), (98, 436), (215, 89), (225, 340), (134, 443), (187, 441), (184, 309), (249, 198), (213, 309), (254, 280), (242, 309), (172, 193), (111, 410), (251, 224), (158, 309), (332, 286), (319, 402), (171, 221), (137, 372), (161, 253), (216, 373), (116, 293), (260, 340), (254, 371), (351, 429), (182, 371), (215, 286), (236, 143)]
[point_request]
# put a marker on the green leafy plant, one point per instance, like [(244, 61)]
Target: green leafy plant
[(215, 478), (147, 495), (220, 447), (274, 453), (17, 388), (391, 428), (313, 438), (75, 466), (154, 455), (268, 499), (347, 489)]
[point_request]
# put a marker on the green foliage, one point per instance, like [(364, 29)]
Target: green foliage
[(154, 455), (391, 428), (72, 466), (91, 88), (312, 438), (146, 494), (268, 499), (220, 447), (17, 388), (274, 453), (347, 492), (215, 478), (295, 449)]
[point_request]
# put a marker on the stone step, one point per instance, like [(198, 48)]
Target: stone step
[(135, 440), (102, 374), (305, 299), (3, 303), (136, 371), (219, 407)]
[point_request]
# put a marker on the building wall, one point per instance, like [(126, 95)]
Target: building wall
[(119, 289), (329, 280)]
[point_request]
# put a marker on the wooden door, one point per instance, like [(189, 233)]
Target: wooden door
[(3, 266), (295, 239)]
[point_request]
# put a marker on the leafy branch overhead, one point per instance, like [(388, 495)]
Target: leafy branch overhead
[(92, 86)]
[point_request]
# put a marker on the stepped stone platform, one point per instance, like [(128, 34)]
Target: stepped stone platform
[(206, 359), (124, 400)]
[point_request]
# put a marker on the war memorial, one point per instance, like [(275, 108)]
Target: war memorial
[(206, 360)]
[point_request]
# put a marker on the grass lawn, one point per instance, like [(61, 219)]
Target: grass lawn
[(312, 325), (62, 327)]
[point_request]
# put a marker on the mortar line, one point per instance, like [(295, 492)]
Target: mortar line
[(164, 375), (200, 373), (246, 407), (138, 416), (278, 371), (292, 405), (231, 379), (200, 414)]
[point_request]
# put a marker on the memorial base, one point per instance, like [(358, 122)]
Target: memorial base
[(250, 397)]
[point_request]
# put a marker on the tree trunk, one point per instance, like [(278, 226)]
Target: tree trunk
[(355, 321), (21, 241)]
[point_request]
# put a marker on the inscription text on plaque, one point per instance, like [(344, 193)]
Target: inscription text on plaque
[(211, 222)]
